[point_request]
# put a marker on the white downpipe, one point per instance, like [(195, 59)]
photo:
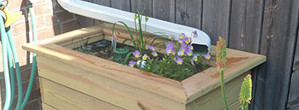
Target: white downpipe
[(112, 15)]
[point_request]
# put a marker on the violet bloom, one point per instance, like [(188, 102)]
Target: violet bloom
[(188, 40), (179, 61), (207, 56), (182, 36), (132, 63), (152, 48), (154, 53), (189, 52), (144, 57), (169, 48), (195, 34), (190, 47), (194, 59), (136, 54)]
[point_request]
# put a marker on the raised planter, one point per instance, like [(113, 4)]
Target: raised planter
[(72, 80)]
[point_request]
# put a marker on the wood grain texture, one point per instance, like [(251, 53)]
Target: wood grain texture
[(277, 44), (189, 13), (102, 87), (296, 60), (121, 4), (293, 99), (64, 98), (232, 89), (164, 10), (103, 2), (209, 78), (246, 25), (215, 19), (147, 5), (48, 107)]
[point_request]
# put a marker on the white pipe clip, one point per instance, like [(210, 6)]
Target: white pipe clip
[(112, 15)]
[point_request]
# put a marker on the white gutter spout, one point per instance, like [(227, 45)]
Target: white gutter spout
[(112, 15)]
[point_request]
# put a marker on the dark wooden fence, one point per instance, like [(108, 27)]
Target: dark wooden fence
[(268, 27)]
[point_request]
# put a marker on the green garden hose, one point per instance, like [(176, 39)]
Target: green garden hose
[(33, 68), (5, 66), (11, 73)]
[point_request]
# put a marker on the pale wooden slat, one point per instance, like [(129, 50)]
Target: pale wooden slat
[(277, 44), (164, 10), (215, 19), (232, 89), (238, 62), (103, 87), (189, 13), (121, 4), (64, 98), (245, 25), (47, 107), (140, 5)]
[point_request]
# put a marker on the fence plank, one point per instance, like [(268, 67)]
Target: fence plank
[(277, 44), (296, 60), (102, 2), (164, 10), (293, 100), (141, 4), (121, 4), (189, 13), (245, 26), (215, 19)]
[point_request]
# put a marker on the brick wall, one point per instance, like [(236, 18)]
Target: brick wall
[(51, 20)]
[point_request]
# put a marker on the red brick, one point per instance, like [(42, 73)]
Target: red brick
[(46, 33), (43, 9), (17, 4)]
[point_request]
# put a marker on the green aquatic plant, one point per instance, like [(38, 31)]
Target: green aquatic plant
[(221, 63), (245, 92)]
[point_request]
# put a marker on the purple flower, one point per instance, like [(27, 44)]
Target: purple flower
[(152, 48), (136, 54), (173, 52), (188, 40), (181, 53), (169, 48), (182, 36), (190, 47), (179, 61), (194, 59), (144, 57), (189, 52), (132, 63), (154, 53), (195, 34), (207, 56), (183, 48)]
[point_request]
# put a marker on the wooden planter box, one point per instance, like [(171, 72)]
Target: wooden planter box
[(72, 80)]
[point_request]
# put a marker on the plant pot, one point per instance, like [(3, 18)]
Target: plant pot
[(73, 80), (119, 55)]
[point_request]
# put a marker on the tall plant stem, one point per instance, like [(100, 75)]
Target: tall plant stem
[(223, 90)]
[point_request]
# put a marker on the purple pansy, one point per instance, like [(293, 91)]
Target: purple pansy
[(132, 63), (194, 59), (144, 57), (152, 48), (190, 47), (179, 61), (207, 56), (136, 54), (195, 34), (169, 48), (189, 52), (154, 53)]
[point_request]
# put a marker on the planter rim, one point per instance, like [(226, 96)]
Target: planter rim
[(238, 62)]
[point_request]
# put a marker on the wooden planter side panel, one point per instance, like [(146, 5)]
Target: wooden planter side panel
[(232, 89), (62, 97), (106, 89)]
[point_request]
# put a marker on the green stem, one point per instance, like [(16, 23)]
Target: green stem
[(223, 90)]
